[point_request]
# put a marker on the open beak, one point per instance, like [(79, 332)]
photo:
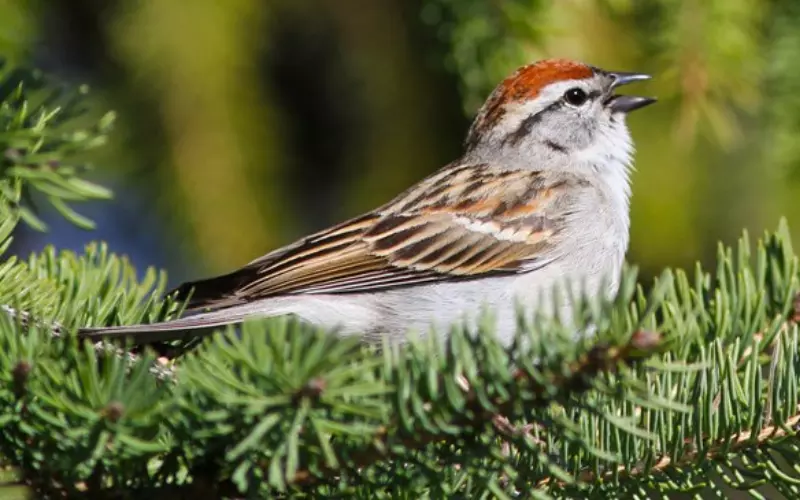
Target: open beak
[(627, 103)]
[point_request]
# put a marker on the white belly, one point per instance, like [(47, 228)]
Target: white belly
[(420, 309)]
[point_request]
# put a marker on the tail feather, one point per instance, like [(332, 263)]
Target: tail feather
[(176, 329), (210, 292)]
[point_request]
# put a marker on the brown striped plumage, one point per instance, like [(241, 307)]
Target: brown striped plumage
[(464, 221)]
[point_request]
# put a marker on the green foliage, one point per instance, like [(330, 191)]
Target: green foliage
[(783, 87), (487, 40), (94, 288), (681, 378), (40, 133)]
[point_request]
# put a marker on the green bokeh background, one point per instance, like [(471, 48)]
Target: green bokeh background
[(243, 124)]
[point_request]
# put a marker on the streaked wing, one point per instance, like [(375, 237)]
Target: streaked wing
[(462, 222)]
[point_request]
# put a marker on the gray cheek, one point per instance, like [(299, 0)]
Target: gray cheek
[(564, 129), (560, 132), (588, 132), (580, 132)]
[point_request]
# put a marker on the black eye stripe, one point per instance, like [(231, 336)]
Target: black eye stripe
[(528, 123)]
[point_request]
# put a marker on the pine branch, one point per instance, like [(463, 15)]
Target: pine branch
[(720, 450), (40, 137), (276, 407), (601, 358), (163, 369)]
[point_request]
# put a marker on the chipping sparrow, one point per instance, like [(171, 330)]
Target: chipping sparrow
[(540, 195)]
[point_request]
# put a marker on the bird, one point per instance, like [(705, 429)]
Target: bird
[(539, 197)]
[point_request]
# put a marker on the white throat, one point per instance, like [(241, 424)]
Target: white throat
[(611, 158)]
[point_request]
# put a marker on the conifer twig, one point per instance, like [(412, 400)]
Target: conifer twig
[(162, 368), (720, 448), (600, 359)]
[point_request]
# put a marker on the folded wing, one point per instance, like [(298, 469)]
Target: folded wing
[(461, 223)]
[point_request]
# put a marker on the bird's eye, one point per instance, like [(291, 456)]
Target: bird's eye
[(575, 96)]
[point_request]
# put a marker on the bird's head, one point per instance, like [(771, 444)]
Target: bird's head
[(556, 113)]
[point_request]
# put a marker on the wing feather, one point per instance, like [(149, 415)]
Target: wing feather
[(462, 222)]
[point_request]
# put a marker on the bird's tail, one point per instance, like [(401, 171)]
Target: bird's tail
[(211, 292), (176, 329)]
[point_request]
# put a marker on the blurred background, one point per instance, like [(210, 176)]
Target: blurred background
[(243, 124)]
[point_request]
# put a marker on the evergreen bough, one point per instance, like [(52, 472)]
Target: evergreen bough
[(689, 388)]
